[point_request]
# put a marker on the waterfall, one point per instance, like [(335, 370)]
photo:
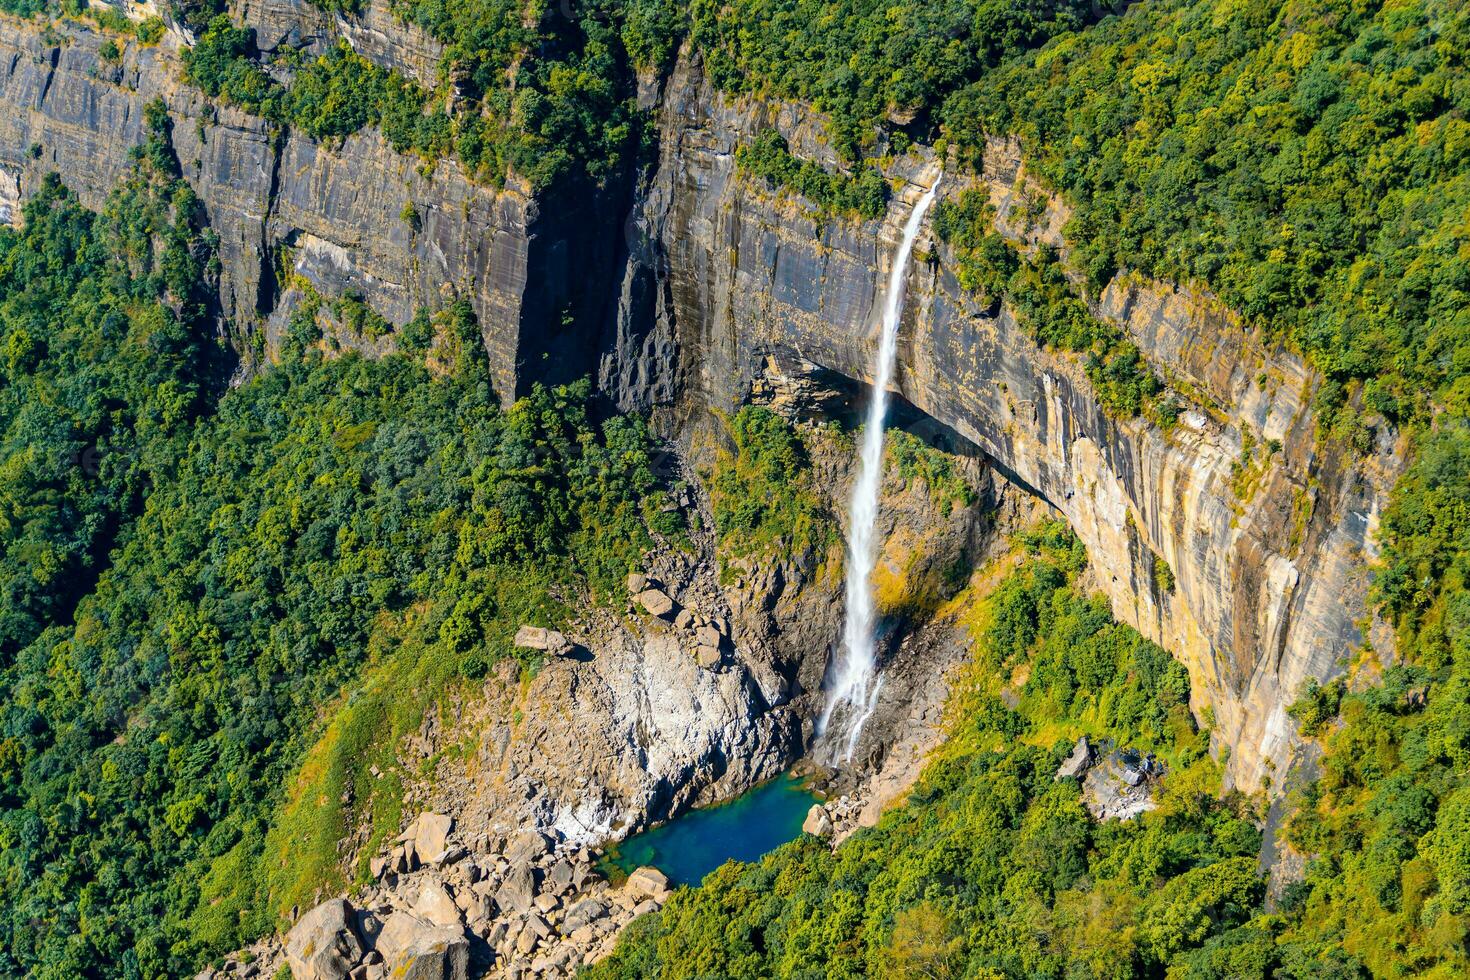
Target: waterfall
[(855, 684)]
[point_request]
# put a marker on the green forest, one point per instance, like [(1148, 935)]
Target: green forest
[(223, 601), (228, 563)]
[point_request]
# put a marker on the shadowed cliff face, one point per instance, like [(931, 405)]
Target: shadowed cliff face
[(1270, 572), (537, 272)]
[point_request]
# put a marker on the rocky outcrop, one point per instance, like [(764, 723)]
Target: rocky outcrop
[(324, 944), (527, 906), (1121, 785), (1270, 573)]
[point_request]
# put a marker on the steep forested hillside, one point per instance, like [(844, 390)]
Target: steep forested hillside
[(191, 583)]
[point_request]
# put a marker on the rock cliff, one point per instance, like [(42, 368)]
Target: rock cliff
[(713, 286), (1268, 547), (284, 204)]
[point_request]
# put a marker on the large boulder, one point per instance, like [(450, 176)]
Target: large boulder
[(646, 882), (537, 638), (436, 905), (416, 949), (324, 944), (817, 822), (429, 835), (527, 847), (1078, 762), (518, 890), (656, 601), (587, 911)]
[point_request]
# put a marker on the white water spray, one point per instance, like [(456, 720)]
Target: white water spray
[(855, 685)]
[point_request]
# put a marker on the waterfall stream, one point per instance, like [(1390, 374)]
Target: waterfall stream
[(855, 684)]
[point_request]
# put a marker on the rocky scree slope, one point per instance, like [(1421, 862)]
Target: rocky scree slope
[(700, 687)]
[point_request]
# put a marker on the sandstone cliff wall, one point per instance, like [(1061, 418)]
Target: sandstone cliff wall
[(1270, 570)]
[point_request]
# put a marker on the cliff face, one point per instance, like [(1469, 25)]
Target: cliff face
[(284, 204), (713, 289), (1269, 556)]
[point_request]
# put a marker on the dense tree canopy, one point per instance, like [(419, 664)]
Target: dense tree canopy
[(332, 525)]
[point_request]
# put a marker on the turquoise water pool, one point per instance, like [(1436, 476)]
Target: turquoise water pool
[(690, 847)]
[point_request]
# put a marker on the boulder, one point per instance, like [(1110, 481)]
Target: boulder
[(324, 944), (707, 636), (527, 847), (539, 926), (416, 949), (585, 912), (429, 834), (434, 904), (707, 657), (1077, 763), (559, 878), (646, 882), (518, 889), (637, 582), (537, 638), (817, 822), (656, 601)]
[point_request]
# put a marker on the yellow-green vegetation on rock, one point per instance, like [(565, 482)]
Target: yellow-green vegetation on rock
[(907, 581), (1163, 575), (913, 575), (1247, 472)]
